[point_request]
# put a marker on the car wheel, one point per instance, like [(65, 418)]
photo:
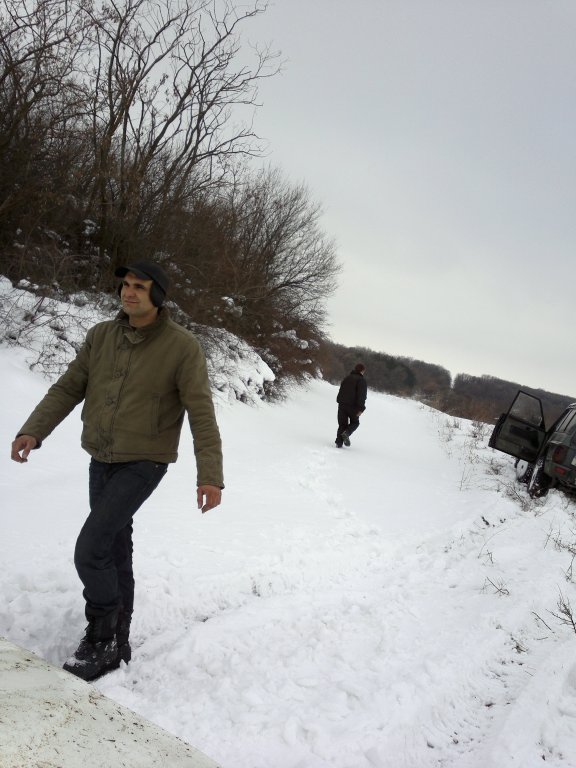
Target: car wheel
[(539, 483), (523, 470)]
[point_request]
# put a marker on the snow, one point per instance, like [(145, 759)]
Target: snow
[(51, 718), (394, 604)]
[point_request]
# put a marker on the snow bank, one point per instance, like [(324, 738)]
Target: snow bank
[(52, 331), (50, 718)]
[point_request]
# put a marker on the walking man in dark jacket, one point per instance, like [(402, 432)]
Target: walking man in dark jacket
[(137, 376), (351, 403)]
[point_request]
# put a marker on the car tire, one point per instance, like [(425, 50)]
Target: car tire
[(523, 470), (539, 483)]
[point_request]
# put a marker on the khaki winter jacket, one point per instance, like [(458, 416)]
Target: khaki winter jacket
[(136, 385)]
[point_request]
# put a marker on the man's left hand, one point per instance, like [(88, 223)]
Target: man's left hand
[(209, 496)]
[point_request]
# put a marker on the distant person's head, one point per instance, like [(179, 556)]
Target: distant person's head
[(359, 368)]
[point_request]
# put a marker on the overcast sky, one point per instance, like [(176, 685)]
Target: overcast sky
[(439, 137)]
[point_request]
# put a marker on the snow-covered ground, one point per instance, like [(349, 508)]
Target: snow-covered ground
[(51, 719), (390, 605)]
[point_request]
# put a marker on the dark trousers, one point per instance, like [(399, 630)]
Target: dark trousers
[(103, 554), (348, 420)]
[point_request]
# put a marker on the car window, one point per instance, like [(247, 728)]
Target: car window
[(528, 409), (563, 421), (569, 422)]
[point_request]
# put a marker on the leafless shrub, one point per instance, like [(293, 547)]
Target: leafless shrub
[(540, 620), (570, 570), (480, 430), (50, 328), (494, 467), (499, 587), (446, 432), (517, 494), (488, 555), (466, 479), (560, 544), (564, 613)]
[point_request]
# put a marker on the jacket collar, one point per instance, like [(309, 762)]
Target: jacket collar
[(136, 335)]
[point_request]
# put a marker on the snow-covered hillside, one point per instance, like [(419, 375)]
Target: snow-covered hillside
[(390, 605), (51, 332)]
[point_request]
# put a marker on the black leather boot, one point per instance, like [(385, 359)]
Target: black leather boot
[(97, 652)]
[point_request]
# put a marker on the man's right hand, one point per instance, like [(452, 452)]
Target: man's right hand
[(22, 446)]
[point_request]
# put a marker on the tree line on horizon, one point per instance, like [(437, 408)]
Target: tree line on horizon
[(480, 398)]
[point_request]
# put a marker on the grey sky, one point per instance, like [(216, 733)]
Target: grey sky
[(440, 138)]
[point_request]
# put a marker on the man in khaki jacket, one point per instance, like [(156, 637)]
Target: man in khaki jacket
[(138, 375)]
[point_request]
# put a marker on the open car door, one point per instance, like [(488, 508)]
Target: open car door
[(521, 431)]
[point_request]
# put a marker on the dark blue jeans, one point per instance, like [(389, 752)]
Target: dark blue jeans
[(103, 554)]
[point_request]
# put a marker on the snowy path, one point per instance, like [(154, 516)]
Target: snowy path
[(370, 607)]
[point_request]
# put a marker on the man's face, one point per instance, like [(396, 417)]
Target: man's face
[(136, 301)]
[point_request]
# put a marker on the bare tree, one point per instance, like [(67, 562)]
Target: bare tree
[(163, 79), (253, 258), (117, 115), (40, 43), (272, 253)]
